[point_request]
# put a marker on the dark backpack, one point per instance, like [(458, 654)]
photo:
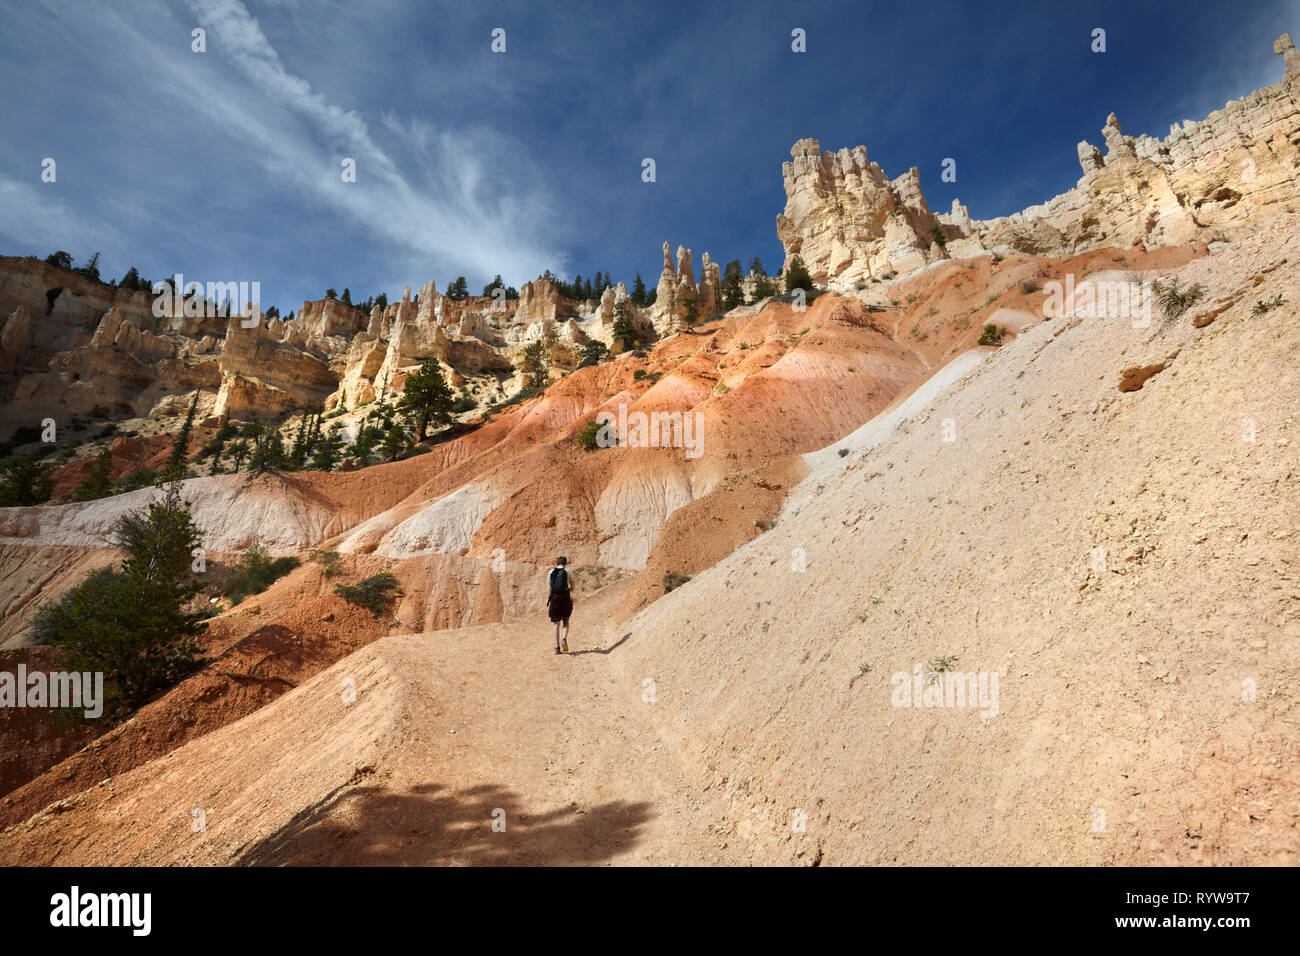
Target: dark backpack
[(559, 579)]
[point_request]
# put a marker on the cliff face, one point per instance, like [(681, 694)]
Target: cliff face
[(73, 346), (1216, 180)]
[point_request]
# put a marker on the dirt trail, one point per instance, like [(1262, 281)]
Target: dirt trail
[(447, 730)]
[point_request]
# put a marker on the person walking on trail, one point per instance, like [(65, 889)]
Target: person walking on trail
[(559, 603)]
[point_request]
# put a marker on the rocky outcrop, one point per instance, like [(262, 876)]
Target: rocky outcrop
[(16, 338), (1216, 180), (540, 300), (265, 377), (847, 220), (679, 300)]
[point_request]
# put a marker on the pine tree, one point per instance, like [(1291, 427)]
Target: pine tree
[(756, 267), (91, 269), (298, 455), (394, 442), (797, 277), (25, 481), (238, 453), (131, 623), (328, 451), (426, 398), (181, 446), (733, 292), (638, 291), (623, 327), (363, 446), (536, 364)]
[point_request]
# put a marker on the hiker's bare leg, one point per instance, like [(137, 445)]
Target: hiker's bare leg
[(557, 633)]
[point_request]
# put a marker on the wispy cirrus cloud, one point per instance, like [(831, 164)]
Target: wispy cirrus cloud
[(476, 206)]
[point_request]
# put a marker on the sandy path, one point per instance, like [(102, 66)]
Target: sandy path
[(495, 729)]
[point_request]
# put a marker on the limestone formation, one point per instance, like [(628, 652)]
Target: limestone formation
[(678, 297), (1216, 180)]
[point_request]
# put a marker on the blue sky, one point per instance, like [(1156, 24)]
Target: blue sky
[(225, 165)]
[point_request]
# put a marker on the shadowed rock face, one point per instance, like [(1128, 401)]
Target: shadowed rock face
[(1217, 179)]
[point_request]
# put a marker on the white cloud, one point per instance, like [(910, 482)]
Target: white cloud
[(478, 209), (35, 216)]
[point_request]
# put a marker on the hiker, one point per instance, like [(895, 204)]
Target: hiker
[(559, 605)]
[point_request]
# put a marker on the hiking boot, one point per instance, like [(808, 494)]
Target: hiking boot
[(564, 646), (557, 649)]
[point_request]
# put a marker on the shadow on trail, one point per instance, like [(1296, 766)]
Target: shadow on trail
[(431, 826), (605, 650)]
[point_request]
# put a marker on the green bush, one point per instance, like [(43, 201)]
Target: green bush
[(587, 437), (1264, 306), (375, 593), (992, 335), (673, 580), (1175, 301), (256, 572), (328, 561), (25, 482), (593, 352)]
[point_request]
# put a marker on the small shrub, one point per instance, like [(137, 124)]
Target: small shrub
[(992, 335), (1266, 305), (843, 452), (673, 580), (939, 666), (1174, 301), (328, 561), (375, 593), (255, 572), (587, 437)]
